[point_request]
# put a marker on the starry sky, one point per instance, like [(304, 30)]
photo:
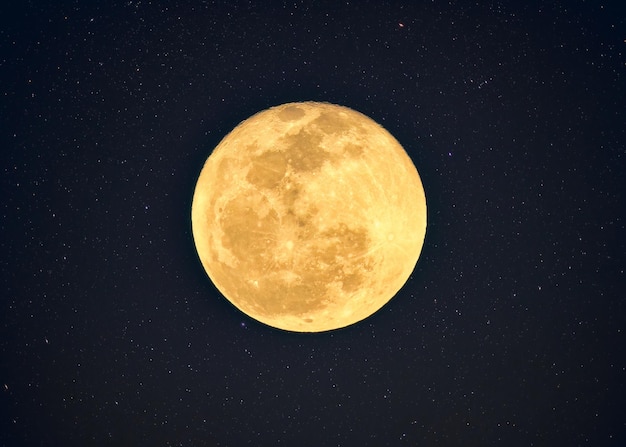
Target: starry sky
[(509, 331)]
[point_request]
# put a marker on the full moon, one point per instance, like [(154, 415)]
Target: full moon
[(309, 216)]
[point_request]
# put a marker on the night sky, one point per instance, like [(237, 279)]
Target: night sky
[(510, 330)]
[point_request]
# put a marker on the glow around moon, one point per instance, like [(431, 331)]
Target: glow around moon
[(309, 216)]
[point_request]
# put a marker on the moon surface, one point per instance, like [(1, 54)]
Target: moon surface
[(309, 216)]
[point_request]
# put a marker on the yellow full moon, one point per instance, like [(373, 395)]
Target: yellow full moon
[(309, 216)]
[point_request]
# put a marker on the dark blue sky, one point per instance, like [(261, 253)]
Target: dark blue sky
[(510, 330)]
